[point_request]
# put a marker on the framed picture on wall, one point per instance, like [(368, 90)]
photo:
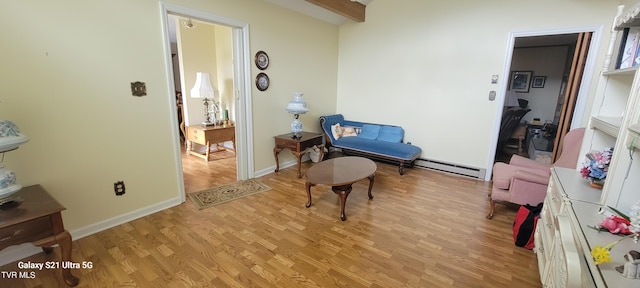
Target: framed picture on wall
[(538, 81), (520, 81)]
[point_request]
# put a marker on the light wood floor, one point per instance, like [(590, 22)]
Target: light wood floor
[(423, 229)]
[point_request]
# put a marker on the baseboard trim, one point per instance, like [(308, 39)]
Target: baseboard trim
[(16, 253), (283, 165), (451, 168)]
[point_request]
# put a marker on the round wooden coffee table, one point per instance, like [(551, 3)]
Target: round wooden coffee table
[(340, 174)]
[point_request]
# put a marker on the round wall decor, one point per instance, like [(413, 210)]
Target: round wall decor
[(262, 81), (262, 60)]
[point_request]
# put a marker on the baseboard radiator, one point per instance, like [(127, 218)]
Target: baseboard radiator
[(451, 168)]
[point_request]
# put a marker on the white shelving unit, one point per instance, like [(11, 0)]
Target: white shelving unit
[(571, 206), (614, 115)]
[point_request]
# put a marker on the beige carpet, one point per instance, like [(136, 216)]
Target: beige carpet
[(226, 193)]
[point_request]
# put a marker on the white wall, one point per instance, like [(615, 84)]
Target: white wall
[(224, 58), (542, 61), (427, 66), (198, 53), (66, 75)]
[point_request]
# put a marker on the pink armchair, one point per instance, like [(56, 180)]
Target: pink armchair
[(524, 181)]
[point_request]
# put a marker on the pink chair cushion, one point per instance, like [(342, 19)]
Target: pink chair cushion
[(504, 174)]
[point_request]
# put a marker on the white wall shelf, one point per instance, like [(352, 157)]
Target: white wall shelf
[(626, 71), (609, 125)]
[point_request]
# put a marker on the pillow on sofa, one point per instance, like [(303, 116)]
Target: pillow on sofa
[(391, 134), (336, 131), (349, 131), (369, 131)]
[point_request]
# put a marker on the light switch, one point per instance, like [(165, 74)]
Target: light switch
[(492, 95)]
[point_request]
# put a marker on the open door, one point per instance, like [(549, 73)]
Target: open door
[(571, 95)]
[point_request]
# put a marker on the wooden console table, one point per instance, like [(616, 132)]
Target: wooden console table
[(38, 221), (298, 146), (209, 135)]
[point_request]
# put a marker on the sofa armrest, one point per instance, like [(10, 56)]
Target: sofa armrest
[(520, 161), (326, 122), (531, 176)]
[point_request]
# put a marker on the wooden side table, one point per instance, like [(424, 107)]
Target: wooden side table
[(298, 146), (209, 135), (38, 220)]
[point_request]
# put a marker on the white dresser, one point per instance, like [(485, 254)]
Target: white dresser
[(564, 242)]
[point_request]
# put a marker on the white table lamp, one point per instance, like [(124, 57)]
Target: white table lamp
[(296, 107), (203, 89)]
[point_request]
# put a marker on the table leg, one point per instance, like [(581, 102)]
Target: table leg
[(308, 187), (371, 184), (64, 241), (207, 152), (277, 150), (233, 142), (299, 157), (342, 191)]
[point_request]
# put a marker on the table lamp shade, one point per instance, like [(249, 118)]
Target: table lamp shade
[(511, 99), (202, 88), (297, 105), (10, 139)]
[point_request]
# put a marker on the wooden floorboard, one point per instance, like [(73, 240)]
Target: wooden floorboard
[(422, 229)]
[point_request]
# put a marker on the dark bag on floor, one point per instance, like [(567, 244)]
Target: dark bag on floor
[(524, 226)]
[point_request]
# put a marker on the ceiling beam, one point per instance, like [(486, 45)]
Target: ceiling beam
[(347, 8)]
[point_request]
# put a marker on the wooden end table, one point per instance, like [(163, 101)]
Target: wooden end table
[(340, 173), (298, 146), (209, 135), (38, 220)]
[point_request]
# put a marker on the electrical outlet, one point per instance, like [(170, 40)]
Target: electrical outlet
[(118, 187), (138, 89)]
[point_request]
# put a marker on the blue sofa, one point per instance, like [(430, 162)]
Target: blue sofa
[(376, 141)]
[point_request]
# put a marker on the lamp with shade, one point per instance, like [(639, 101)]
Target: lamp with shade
[(10, 139), (203, 89), (511, 100), (296, 107)]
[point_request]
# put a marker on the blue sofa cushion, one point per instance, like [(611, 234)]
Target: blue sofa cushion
[(369, 131), (402, 151), (393, 134)]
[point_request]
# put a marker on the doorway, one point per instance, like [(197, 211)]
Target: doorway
[(241, 92), (549, 107)]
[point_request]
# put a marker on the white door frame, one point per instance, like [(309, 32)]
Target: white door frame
[(583, 93), (242, 93)]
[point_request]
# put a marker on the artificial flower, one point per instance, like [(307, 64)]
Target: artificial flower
[(601, 254), (615, 225), (597, 164)]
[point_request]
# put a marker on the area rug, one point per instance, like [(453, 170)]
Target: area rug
[(226, 193)]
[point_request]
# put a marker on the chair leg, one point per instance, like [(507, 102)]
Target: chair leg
[(492, 207)]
